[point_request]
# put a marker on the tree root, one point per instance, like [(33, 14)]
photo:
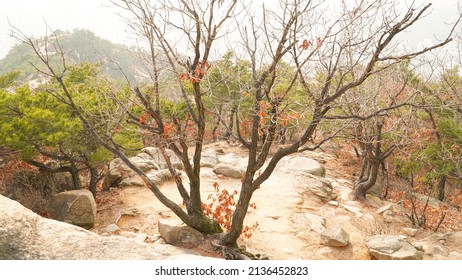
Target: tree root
[(240, 253)]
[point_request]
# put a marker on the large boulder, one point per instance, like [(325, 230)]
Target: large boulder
[(308, 176), (77, 207), (150, 161), (392, 247), (176, 233), (26, 235), (158, 158), (228, 170), (117, 170), (144, 162), (160, 176), (209, 158), (300, 166)]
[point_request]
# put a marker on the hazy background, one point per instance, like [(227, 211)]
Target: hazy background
[(31, 17)]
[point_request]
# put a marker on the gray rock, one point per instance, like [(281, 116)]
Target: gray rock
[(25, 235), (158, 158), (229, 170), (160, 176), (77, 207), (335, 237), (134, 181), (176, 233), (229, 158), (209, 158), (319, 187), (392, 247), (117, 170), (144, 162)]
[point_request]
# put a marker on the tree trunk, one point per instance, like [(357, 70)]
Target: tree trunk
[(364, 185), (75, 177), (441, 185), (229, 132), (93, 181), (217, 123)]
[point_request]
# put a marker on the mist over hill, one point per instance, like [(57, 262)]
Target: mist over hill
[(80, 45)]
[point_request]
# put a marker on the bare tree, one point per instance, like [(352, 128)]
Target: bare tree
[(196, 26), (359, 43)]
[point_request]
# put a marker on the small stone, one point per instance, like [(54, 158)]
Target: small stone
[(419, 247), (333, 203), (274, 217), (387, 207), (153, 238), (388, 213), (335, 237), (111, 229), (220, 151), (409, 231)]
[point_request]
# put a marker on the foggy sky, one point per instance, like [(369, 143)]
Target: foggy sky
[(31, 17)]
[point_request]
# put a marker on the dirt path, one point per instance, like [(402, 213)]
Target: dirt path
[(287, 216)]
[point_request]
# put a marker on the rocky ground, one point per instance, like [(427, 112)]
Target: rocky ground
[(293, 210)]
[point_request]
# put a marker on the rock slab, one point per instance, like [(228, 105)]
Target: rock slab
[(392, 247), (25, 235), (301, 166)]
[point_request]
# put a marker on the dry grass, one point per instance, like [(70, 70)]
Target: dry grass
[(371, 227), (33, 189)]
